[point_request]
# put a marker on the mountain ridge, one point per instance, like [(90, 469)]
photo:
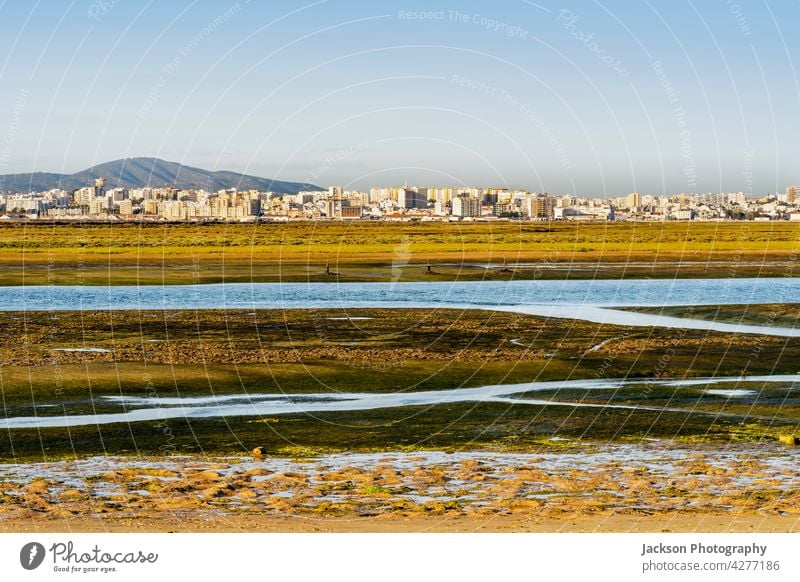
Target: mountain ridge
[(144, 172)]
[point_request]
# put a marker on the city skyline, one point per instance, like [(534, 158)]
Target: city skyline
[(144, 202), (581, 97)]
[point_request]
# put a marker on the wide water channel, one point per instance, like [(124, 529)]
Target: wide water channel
[(587, 300)]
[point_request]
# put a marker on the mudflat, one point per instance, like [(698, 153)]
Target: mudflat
[(601, 487)]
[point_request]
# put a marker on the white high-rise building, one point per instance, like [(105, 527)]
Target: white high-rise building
[(465, 205)]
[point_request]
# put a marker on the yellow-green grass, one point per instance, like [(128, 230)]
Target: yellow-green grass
[(129, 253)]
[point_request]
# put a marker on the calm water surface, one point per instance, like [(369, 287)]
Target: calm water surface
[(608, 293), (586, 300)]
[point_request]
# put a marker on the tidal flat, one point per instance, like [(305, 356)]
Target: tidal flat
[(658, 427), (646, 486), (62, 364)]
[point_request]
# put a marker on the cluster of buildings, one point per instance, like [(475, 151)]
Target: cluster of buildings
[(406, 203), (168, 203)]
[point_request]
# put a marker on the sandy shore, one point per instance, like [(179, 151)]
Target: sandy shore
[(687, 523)]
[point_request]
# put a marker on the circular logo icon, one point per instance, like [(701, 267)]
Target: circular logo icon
[(31, 555)]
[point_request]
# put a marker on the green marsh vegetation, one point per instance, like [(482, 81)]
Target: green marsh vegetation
[(181, 353)]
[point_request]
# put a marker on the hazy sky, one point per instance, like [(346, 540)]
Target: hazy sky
[(600, 98)]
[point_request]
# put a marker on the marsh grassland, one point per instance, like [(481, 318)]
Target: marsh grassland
[(130, 253)]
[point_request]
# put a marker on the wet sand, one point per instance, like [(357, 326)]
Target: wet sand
[(515, 523), (594, 488)]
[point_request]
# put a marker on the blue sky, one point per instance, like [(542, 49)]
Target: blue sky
[(598, 98)]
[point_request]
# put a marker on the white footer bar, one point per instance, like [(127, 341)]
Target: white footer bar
[(387, 557)]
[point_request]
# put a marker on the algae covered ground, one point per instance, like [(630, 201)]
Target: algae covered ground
[(665, 488), (649, 453), (57, 363)]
